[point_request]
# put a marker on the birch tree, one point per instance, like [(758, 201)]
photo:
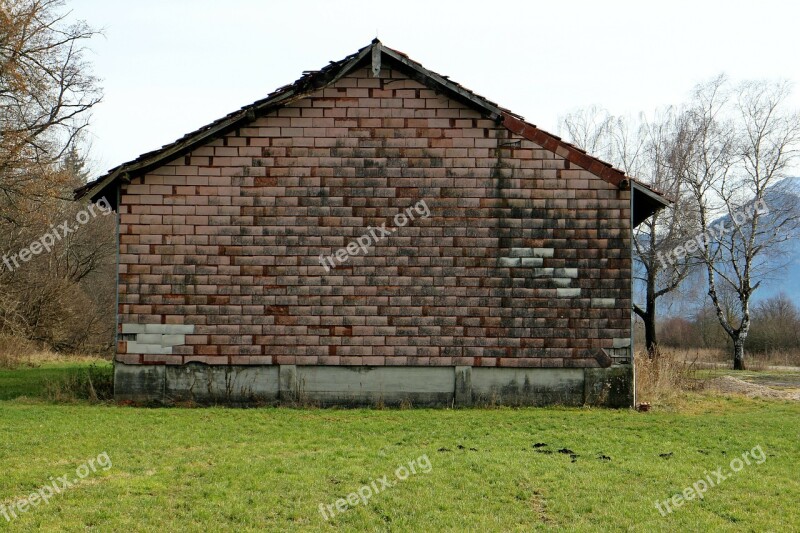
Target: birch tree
[(739, 144), (645, 149)]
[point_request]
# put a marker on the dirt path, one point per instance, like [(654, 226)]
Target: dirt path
[(771, 368), (732, 385)]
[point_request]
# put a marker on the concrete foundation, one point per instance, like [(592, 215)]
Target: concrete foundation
[(374, 386), (527, 386), (221, 384)]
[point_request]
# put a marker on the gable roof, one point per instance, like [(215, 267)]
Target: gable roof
[(376, 52)]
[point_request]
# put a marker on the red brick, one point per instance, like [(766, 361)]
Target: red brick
[(237, 245)]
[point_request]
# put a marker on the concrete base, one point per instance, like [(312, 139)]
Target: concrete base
[(377, 385), (611, 387), (527, 386), (221, 384), (374, 386)]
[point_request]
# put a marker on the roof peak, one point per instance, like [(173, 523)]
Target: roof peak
[(375, 53)]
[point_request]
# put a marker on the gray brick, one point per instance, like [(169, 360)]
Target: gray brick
[(603, 302), (148, 349), (149, 338), (521, 252), (543, 252), (532, 261), (542, 272), (509, 261), (566, 272), (622, 342), (568, 293), (170, 329), (173, 340), (132, 328), (178, 329)]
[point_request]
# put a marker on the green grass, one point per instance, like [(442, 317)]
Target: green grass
[(269, 469), (32, 381)]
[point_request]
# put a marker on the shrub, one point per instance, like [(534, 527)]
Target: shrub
[(16, 352), (94, 383)]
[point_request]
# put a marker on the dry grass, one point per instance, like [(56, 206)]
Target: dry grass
[(663, 379), (773, 358), (715, 357), (16, 352), (20, 353)]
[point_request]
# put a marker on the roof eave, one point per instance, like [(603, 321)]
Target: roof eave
[(646, 203)]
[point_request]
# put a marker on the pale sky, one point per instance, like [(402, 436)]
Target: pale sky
[(171, 66)]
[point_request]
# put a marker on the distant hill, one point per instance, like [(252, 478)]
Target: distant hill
[(789, 283)]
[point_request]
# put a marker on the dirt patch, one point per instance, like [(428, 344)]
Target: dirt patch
[(776, 380), (732, 385)]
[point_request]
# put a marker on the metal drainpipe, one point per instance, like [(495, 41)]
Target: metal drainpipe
[(116, 277)]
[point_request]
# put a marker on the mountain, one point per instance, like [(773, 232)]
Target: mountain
[(787, 279), (783, 267)]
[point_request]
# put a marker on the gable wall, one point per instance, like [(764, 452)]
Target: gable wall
[(523, 260)]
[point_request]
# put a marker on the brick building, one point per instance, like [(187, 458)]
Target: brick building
[(374, 232)]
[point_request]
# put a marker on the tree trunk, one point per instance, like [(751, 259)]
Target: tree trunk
[(738, 354), (650, 331), (651, 342)]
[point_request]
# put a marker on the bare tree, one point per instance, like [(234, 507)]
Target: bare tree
[(645, 149), (589, 129), (665, 229), (776, 325), (46, 93), (738, 145), (64, 296)]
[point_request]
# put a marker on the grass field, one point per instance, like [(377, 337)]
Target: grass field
[(270, 469), (32, 381)]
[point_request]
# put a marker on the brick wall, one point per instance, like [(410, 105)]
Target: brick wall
[(524, 260)]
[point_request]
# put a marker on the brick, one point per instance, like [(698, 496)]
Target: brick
[(512, 256), (509, 262)]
